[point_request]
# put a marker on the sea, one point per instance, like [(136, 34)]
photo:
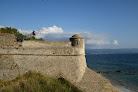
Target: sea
[(110, 63)]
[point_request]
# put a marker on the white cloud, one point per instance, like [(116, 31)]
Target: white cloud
[(95, 39), (44, 31), (92, 40), (48, 30), (115, 42), (25, 31)]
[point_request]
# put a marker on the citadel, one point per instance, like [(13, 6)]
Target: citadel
[(52, 58)]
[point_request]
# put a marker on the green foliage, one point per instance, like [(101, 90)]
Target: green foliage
[(36, 82), (9, 30), (40, 39), (33, 38)]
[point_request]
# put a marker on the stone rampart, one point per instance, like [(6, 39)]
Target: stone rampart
[(7, 40), (70, 67), (49, 51), (45, 44), (49, 57)]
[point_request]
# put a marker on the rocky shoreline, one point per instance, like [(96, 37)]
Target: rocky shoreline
[(117, 84)]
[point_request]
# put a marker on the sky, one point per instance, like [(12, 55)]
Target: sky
[(104, 23)]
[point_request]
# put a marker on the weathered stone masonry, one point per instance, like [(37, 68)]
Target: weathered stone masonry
[(66, 59), (55, 59), (7, 39)]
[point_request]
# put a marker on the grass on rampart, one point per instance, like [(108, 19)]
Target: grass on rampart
[(36, 82)]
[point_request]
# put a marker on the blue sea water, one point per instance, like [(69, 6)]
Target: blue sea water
[(125, 81)]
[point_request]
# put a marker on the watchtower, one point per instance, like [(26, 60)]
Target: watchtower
[(77, 41)]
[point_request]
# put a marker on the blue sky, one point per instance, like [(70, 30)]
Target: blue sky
[(104, 23)]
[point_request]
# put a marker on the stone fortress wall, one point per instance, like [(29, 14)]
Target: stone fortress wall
[(55, 59), (49, 57), (7, 39)]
